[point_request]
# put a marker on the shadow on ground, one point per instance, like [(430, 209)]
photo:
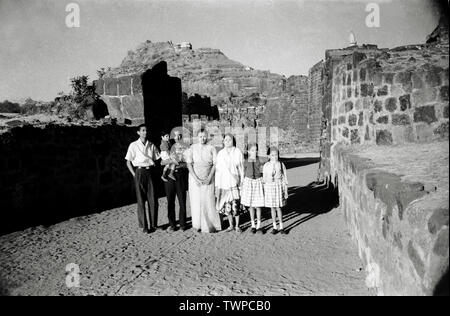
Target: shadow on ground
[(304, 203), (299, 162)]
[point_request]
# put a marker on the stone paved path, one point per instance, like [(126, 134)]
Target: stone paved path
[(317, 257)]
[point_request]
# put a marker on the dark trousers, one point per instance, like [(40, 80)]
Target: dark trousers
[(177, 188), (145, 192)]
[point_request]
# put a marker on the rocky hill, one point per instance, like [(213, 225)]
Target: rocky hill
[(204, 71)]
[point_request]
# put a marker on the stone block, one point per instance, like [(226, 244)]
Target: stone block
[(400, 119), (417, 82), (99, 89), (349, 92), (354, 137), (425, 114), (133, 106), (404, 78), (378, 106), (443, 93), (114, 107), (377, 78), (348, 106), (424, 132), (355, 75), (382, 91), (445, 111), (111, 86), (391, 104), (358, 104), (442, 130), (371, 121), (364, 89), (349, 80), (383, 119), (342, 119), (433, 77), (426, 95), (345, 132), (361, 119), (405, 102), (388, 78), (402, 134), (124, 85), (136, 84), (383, 137), (352, 118), (362, 74), (367, 134)]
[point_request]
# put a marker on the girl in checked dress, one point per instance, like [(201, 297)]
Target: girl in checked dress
[(275, 188), (252, 187)]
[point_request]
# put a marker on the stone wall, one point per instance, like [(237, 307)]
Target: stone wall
[(123, 97), (385, 145), (52, 173), (399, 97)]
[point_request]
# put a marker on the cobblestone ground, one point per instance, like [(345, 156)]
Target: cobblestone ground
[(317, 257)]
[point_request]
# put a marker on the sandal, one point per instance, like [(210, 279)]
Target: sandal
[(229, 229)]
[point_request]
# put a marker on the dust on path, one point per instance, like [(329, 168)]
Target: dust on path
[(317, 257)]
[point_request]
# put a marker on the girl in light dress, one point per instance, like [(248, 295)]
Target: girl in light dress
[(275, 188), (252, 187)]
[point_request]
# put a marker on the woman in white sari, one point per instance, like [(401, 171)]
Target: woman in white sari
[(229, 178), (200, 159)]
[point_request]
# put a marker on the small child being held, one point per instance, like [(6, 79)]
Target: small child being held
[(275, 188), (170, 160)]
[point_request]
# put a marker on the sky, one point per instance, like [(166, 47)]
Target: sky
[(39, 53)]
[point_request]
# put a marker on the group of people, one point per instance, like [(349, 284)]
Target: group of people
[(220, 184)]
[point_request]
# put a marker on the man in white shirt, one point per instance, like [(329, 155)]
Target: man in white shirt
[(141, 156)]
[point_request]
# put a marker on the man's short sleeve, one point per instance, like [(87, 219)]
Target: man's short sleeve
[(130, 153), (155, 153)]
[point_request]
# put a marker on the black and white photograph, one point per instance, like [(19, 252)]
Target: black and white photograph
[(224, 152)]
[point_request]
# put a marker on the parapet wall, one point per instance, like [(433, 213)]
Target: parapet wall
[(395, 202), (52, 173)]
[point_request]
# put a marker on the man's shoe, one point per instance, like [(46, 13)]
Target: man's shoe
[(259, 231), (164, 179), (283, 232), (253, 230), (172, 177), (274, 231), (171, 229), (183, 228)]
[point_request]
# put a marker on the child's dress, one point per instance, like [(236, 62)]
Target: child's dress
[(275, 184), (252, 187)]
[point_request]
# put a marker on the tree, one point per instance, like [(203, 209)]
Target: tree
[(84, 94)]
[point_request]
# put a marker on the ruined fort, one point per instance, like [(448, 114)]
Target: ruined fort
[(379, 117)]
